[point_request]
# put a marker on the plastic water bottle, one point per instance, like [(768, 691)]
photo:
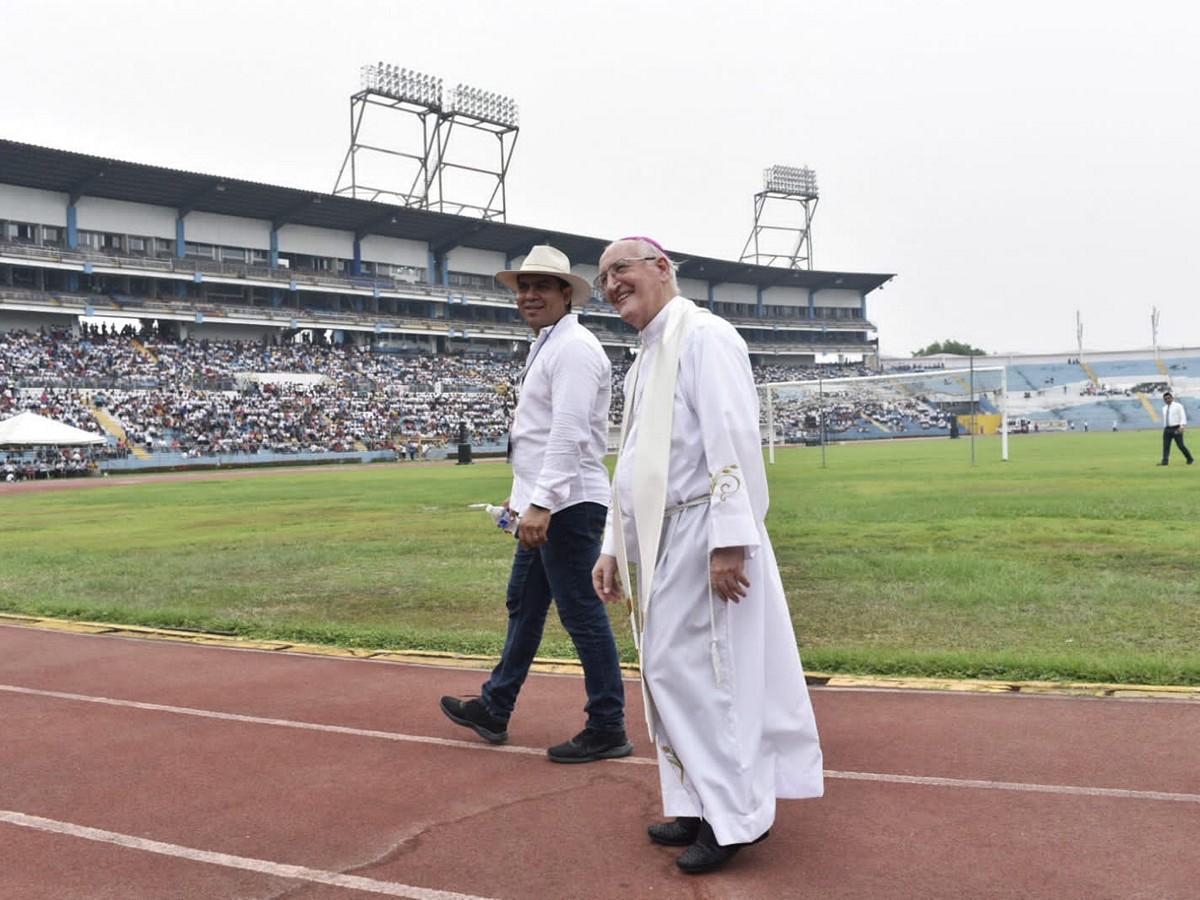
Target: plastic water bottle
[(506, 519)]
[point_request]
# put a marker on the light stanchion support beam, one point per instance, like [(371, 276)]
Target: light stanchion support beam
[(385, 87), (784, 185)]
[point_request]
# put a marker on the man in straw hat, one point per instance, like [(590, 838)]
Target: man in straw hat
[(726, 701), (560, 488)]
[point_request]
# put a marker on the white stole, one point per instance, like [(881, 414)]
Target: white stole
[(651, 457)]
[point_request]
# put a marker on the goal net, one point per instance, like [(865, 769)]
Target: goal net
[(926, 403)]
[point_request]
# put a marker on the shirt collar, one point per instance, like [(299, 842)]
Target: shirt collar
[(544, 334), (653, 332)]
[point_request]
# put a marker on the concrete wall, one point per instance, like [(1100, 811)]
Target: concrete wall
[(838, 297), (735, 293), (119, 217), (693, 288), (785, 296), (221, 331), (316, 241), (21, 204), (228, 231), (475, 262), (395, 251), (14, 320)]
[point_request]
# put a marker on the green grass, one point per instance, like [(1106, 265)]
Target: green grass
[(1078, 559)]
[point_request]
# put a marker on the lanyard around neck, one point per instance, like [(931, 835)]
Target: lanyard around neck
[(533, 354)]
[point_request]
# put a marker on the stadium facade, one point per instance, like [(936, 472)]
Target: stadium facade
[(212, 257)]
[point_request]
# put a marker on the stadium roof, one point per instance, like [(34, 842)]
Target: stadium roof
[(79, 175)]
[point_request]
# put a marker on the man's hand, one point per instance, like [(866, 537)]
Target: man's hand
[(606, 580), (727, 573), (533, 527)]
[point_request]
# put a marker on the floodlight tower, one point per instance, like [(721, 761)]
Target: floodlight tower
[(792, 185), (422, 170), (479, 112), (386, 88)]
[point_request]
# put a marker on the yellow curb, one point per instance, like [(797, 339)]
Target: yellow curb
[(925, 684), (206, 640), (1067, 688), (630, 670), (76, 627), (1167, 692), (447, 660), (325, 650)]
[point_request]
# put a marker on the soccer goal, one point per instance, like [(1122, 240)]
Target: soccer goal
[(949, 403)]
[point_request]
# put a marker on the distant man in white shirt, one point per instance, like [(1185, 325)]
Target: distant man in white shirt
[(560, 488), (725, 694), (1174, 418)]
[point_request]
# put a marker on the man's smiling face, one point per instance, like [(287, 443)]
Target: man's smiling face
[(542, 299)]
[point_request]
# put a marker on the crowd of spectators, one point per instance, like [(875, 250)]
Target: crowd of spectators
[(196, 397), (768, 374), (798, 418), (288, 418), (48, 462), (52, 462), (59, 404), (128, 360)]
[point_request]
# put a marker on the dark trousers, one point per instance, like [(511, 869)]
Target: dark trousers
[(1174, 433), (561, 569)]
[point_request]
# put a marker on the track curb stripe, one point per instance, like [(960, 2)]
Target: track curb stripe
[(546, 665)]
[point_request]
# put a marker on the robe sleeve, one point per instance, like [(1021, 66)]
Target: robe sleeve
[(725, 401)]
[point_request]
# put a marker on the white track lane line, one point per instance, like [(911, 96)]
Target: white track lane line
[(931, 781), (263, 866), (1073, 790)]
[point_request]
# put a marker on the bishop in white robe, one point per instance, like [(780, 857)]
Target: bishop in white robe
[(726, 700)]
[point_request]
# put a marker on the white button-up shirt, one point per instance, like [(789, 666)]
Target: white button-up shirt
[(1173, 414), (560, 429)]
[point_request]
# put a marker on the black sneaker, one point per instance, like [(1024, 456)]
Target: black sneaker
[(471, 713), (590, 745)]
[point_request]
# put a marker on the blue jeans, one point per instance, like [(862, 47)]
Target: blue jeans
[(561, 569)]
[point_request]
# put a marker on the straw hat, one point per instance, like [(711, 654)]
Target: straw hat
[(546, 260)]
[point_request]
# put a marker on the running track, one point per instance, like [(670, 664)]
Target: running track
[(135, 768)]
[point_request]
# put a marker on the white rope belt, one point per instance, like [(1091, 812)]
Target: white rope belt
[(702, 500)]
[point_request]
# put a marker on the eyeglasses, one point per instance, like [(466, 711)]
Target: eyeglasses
[(618, 268)]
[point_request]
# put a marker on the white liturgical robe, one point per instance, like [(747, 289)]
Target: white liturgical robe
[(726, 698)]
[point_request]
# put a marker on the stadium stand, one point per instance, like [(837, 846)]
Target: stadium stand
[(1101, 392), (266, 320), (167, 402), (278, 324), (210, 256)]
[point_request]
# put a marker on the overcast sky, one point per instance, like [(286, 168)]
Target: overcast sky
[(1010, 162)]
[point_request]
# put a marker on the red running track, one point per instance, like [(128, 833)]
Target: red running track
[(144, 769)]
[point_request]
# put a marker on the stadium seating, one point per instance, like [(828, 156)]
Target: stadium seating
[(210, 399)]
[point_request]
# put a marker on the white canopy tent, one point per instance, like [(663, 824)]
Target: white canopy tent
[(28, 429)]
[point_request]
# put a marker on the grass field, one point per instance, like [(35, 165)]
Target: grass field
[(1078, 559)]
